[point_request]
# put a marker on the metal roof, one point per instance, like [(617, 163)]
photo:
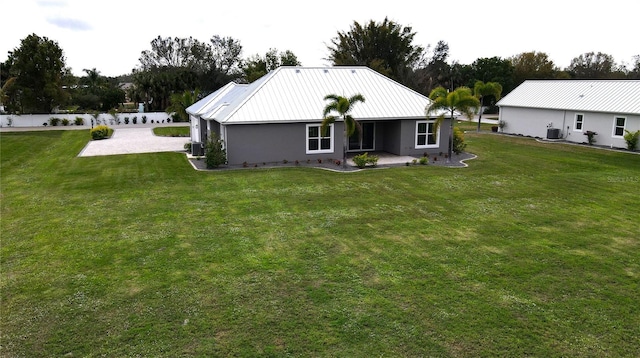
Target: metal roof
[(610, 96), (296, 94), (214, 101)]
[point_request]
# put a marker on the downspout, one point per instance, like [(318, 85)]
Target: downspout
[(564, 120)]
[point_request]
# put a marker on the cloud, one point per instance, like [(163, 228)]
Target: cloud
[(52, 3), (71, 24)]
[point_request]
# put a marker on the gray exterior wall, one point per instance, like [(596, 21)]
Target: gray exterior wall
[(400, 138), (533, 122), (268, 143)]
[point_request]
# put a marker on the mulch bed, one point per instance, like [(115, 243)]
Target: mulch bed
[(457, 161)]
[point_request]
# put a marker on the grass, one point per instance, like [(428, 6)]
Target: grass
[(533, 250), (172, 131)]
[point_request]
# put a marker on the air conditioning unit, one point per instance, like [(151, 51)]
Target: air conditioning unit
[(553, 133), (197, 148)]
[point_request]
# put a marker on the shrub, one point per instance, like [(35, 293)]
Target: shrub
[(362, 160), (65, 122), (458, 141), (79, 121), (215, 155), (126, 120), (632, 139), (187, 147), (591, 136), (144, 119), (424, 160), (101, 132), (53, 121), (134, 120)]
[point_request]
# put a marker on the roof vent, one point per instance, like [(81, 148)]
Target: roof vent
[(297, 70), (326, 71), (353, 71)]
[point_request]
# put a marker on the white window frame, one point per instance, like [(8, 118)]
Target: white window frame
[(427, 145), (615, 126), (575, 122), (319, 150)]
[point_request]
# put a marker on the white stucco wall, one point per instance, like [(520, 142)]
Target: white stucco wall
[(38, 120), (534, 122)]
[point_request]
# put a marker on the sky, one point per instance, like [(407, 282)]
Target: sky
[(109, 35)]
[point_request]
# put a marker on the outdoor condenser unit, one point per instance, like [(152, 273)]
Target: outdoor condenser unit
[(553, 133), (197, 148)]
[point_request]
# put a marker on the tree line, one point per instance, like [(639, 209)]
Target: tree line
[(176, 71)]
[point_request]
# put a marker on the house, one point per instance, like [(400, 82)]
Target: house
[(278, 117), (567, 109)]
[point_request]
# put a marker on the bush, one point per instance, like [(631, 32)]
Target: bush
[(79, 121), (632, 139), (65, 122), (135, 120), (126, 120), (458, 141), (144, 119), (53, 121), (591, 136), (215, 155), (101, 132), (362, 160), (424, 160)]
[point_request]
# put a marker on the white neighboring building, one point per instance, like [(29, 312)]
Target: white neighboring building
[(566, 109)]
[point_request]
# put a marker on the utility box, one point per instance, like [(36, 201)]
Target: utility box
[(197, 148), (553, 133)]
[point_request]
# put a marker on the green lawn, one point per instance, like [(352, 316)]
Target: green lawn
[(533, 250), (172, 131)]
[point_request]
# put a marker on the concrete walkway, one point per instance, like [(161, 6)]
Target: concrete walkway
[(133, 141)]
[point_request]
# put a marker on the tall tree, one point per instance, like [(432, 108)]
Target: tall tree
[(385, 47), (226, 55), (481, 90), (175, 52), (532, 65), (343, 107), (634, 74), (592, 65), (494, 69), (37, 68), (460, 100), (257, 66)]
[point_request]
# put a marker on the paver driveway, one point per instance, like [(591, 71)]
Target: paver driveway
[(133, 141)]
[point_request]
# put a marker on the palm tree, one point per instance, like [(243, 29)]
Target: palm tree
[(181, 101), (461, 100), (481, 89), (343, 106)]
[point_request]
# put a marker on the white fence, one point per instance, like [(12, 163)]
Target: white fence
[(41, 120)]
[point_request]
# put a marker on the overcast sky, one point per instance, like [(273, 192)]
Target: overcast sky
[(109, 35)]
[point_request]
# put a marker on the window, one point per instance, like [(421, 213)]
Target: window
[(577, 124), (618, 126), (317, 142), (425, 135)]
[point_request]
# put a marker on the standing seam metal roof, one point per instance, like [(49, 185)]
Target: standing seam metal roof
[(296, 94), (610, 96)]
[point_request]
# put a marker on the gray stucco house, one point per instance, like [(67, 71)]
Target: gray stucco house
[(278, 116), (566, 109)]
